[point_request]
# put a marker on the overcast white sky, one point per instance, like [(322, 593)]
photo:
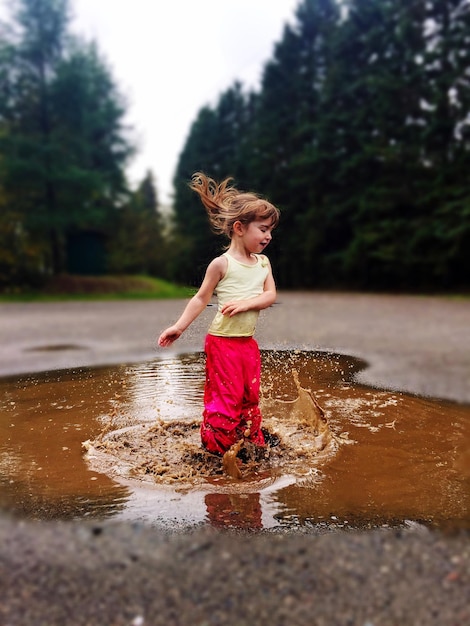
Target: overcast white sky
[(171, 57)]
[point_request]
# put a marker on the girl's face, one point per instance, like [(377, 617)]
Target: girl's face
[(257, 235)]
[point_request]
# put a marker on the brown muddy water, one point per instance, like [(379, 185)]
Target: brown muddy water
[(122, 443)]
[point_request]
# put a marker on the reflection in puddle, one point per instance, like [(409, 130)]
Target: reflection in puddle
[(388, 458)]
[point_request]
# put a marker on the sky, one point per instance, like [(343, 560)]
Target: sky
[(169, 58)]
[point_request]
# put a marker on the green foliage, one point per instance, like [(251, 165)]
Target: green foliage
[(63, 147), (19, 253), (194, 241), (360, 133), (138, 245), (72, 287)]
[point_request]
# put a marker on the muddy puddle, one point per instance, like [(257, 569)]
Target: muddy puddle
[(123, 443)]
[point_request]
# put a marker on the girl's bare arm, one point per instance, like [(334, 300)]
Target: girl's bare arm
[(263, 301), (215, 271)]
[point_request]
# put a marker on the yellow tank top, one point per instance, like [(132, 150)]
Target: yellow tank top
[(239, 283)]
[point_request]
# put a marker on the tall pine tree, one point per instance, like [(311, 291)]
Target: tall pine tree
[(65, 146), (214, 146), (444, 234), (360, 133)]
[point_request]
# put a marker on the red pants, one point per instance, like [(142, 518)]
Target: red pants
[(231, 393)]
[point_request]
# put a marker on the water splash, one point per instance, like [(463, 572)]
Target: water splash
[(407, 460), (170, 452)]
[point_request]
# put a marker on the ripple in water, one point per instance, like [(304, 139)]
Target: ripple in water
[(378, 459)]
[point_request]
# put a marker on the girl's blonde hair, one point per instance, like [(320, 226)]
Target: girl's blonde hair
[(225, 205)]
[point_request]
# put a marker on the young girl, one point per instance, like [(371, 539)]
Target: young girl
[(243, 281)]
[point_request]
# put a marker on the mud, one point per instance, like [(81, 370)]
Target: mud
[(170, 452), (348, 455)]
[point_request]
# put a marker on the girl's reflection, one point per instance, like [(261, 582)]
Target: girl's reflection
[(241, 510)]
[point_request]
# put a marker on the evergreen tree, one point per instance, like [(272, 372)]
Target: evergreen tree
[(213, 146), (289, 142), (65, 146), (91, 139), (443, 236), (382, 161), (138, 245), (28, 65), (360, 133)]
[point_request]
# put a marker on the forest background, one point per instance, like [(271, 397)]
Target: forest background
[(359, 132)]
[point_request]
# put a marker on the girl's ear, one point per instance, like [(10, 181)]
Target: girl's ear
[(238, 228)]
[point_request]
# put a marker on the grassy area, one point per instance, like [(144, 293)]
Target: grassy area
[(68, 287)]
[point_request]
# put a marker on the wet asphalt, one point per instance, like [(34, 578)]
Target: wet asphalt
[(109, 574)]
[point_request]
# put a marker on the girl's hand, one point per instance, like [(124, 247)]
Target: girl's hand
[(238, 306), (168, 336)]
